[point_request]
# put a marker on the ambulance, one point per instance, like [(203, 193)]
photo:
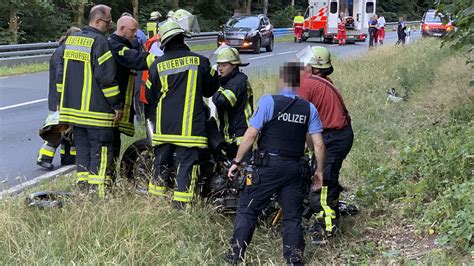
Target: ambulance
[(322, 18)]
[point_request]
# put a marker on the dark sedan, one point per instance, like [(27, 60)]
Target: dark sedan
[(251, 32)]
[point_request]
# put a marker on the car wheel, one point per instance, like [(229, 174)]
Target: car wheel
[(256, 48), (269, 48)]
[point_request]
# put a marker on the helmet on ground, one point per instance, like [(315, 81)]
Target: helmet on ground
[(170, 14), (229, 55), (168, 30), (321, 57), (155, 15)]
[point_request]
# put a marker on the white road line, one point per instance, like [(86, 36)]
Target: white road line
[(289, 52), (21, 104), (258, 57), (18, 188), (333, 45)]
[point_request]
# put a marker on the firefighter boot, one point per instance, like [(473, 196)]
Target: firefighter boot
[(47, 165)]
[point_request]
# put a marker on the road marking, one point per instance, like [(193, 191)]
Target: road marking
[(332, 45), (289, 52), (258, 57), (18, 188), (3, 77), (21, 104)]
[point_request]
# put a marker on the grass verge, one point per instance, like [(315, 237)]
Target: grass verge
[(23, 69), (409, 171)]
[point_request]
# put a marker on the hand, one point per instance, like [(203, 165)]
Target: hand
[(317, 181), (232, 171), (118, 115)]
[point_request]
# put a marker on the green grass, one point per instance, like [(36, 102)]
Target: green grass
[(23, 69), (409, 171)]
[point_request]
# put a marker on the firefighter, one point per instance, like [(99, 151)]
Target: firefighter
[(48, 149), (152, 24), (177, 82), (233, 100), (281, 123), (298, 26), (169, 15), (318, 88), (91, 100), (129, 59)]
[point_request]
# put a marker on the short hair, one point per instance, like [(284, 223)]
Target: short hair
[(126, 14), (98, 12), (290, 73), (70, 31)]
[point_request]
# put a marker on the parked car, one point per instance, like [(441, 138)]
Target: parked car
[(247, 32), (435, 25)]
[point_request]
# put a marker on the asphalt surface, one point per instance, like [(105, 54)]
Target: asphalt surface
[(23, 106)]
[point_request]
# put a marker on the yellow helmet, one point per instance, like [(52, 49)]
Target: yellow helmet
[(155, 15), (321, 57), (180, 14), (168, 30), (229, 55)]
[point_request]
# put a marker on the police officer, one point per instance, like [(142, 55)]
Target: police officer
[(48, 149), (338, 136), (91, 100), (233, 100), (281, 123), (129, 59), (152, 24), (176, 84)]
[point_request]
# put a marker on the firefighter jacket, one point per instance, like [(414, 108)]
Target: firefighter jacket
[(151, 28), (128, 59), (89, 92), (54, 64), (234, 103), (177, 82)]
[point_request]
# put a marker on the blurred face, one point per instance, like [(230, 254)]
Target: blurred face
[(225, 68), (103, 24), (129, 31)]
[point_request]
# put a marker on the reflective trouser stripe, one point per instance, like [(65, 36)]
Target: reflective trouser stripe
[(82, 176), (72, 150), (100, 179), (46, 151), (156, 190), (329, 213), (187, 196)]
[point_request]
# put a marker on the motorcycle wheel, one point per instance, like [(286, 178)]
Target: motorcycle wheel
[(136, 166)]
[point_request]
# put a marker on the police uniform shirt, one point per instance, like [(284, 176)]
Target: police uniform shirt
[(264, 113)]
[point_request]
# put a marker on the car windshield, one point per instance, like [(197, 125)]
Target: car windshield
[(432, 17), (243, 22)]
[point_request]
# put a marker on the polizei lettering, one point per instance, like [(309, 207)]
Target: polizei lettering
[(292, 118)]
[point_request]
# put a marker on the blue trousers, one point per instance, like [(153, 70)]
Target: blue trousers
[(282, 177)]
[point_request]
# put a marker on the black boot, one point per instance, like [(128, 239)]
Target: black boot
[(47, 165)]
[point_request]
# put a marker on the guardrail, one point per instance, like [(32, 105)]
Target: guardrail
[(16, 54)]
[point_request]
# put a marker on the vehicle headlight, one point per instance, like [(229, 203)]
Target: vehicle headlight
[(450, 28), (427, 27)]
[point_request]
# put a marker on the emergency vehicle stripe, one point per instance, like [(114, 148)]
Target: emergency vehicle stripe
[(229, 95), (189, 103), (82, 176), (66, 61), (122, 52), (149, 60), (111, 92), (106, 56), (187, 196), (156, 190), (85, 88), (90, 114)]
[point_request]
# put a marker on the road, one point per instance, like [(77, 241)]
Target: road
[(23, 106)]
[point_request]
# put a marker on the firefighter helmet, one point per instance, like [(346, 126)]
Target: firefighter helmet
[(155, 15), (168, 30), (170, 14), (321, 57), (229, 55), (180, 14)]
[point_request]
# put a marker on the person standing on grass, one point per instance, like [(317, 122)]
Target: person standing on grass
[(318, 88)]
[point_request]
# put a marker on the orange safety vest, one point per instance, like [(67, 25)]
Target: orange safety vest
[(148, 45)]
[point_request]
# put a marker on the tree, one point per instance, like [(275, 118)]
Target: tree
[(135, 8)]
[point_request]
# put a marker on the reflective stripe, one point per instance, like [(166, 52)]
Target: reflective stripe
[(150, 59), (213, 72), (127, 128), (156, 190), (46, 152), (80, 41), (148, 84), (72, 152), (122, 52), (189, 103), (78, 48), (59, 87), (66, 61), (86, 88), (164, 89), (178, 70), (226, 127), (77, 55), (86, 114), (187, 196), (229, 95), (82, 176), (111, 92), (124, 124), (248, 114), (86, 121), (329, 213), (185, 141), (106, 56)]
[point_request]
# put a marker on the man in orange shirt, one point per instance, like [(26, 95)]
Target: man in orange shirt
[(338, 136)]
